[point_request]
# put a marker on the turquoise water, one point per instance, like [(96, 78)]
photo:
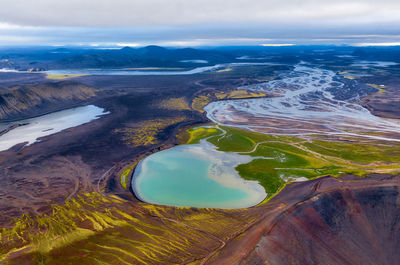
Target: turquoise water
[(196, 176)]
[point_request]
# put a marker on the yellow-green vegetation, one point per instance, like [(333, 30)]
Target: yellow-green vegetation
[(200, 102), (62, 76), (44, 233), (381, 88), (200, 133), (228, 69), (145, 133), (175, 104), (240, 93), (96, 229), (351, 77), (281, 159), (125, 176)]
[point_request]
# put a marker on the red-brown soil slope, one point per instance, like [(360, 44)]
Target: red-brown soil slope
[(339, 221)]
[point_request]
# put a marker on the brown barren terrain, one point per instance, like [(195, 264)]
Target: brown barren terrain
[(62, 202)]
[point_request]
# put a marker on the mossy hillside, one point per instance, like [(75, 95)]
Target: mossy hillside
[(22, 98), (146, 132), (97, 229)]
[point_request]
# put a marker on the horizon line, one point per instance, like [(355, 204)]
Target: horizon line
[(140, 45)]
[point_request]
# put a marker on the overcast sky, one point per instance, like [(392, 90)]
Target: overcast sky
[(198, 22)]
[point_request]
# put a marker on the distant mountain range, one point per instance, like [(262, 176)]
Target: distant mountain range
[(48, 58), (150, 56), (154, 56)]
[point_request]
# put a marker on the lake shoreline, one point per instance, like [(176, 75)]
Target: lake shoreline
[(45, 125)]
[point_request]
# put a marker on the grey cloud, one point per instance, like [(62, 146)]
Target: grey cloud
[(197, 22), (116, 13)]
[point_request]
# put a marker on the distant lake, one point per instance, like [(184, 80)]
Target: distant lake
[(33, 129), (195, 175), (151, 71)]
